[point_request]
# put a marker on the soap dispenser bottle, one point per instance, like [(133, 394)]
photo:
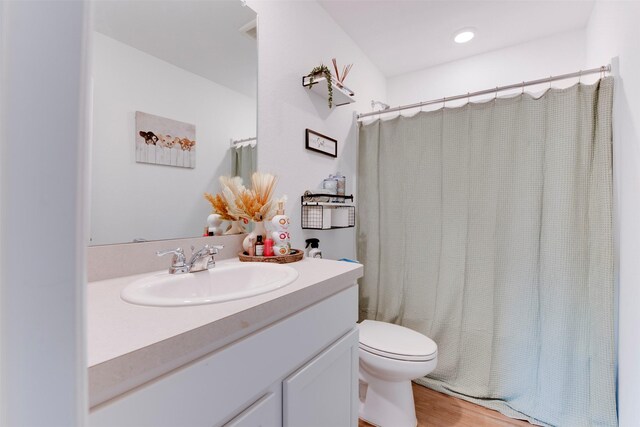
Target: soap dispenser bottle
[(315, 251)]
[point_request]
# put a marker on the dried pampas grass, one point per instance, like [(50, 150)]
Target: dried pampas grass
[(236, 195), (263, 185), (253, 205), (224, 204)]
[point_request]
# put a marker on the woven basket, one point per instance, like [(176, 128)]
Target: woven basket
[(296, 255)]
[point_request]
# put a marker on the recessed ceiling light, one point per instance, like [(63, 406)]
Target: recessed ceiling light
[(464, 35)]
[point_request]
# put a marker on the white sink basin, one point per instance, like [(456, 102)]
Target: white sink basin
[(225, 282)]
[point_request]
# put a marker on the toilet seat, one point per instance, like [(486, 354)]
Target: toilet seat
[(396, 342)]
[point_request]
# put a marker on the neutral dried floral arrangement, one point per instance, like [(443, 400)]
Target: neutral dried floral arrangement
[(324, 71), (237, 202)]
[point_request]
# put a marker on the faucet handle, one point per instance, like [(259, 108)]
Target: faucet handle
[(210, 249), (213, 250), (205, 250), (178, 256)]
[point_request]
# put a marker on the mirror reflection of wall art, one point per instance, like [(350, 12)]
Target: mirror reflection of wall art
[(163, 141)]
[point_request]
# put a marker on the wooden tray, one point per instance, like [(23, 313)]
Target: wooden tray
[(296, 255)]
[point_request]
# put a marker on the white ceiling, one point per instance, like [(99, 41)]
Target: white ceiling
[(407, 35), (202, 37)]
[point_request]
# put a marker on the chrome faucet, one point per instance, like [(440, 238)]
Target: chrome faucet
[(200, 260), (203, 259)]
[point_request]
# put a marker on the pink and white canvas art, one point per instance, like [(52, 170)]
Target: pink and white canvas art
[(163, 141)]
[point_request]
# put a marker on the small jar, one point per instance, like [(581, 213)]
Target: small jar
[(259, 246), (341, 181), (331, 186)]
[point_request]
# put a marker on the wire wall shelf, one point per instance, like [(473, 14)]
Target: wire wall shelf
[(326, 212)]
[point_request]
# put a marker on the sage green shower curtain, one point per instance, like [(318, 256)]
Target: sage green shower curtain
[(489, 229), (244, 161)]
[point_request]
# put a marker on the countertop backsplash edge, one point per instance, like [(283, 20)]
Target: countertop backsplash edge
[(119, 260)]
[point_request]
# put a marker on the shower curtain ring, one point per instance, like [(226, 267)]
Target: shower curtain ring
[(550, 77), (523, 87), (444, 100), (496, 95), (580, 77), (468, 98)]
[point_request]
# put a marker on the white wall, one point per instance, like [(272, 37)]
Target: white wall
[(614, 31), (3, 26), (563, 53), (129, 199), (43, 371), (294, 37)]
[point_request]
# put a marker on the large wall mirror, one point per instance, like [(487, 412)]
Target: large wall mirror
[(173, 83)]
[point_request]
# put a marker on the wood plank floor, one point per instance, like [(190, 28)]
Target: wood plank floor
[(434, 409)]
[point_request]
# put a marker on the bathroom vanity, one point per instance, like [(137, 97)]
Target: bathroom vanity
[(288, 357)]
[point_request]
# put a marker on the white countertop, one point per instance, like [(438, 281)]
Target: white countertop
[(129, 344)]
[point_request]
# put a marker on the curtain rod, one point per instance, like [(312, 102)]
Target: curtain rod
[(603, 69), (239, 141)]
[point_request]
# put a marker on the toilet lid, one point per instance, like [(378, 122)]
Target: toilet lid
[(395, 341)]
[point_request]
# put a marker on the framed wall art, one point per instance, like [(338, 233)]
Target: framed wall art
[(317, 142), (163, 141)]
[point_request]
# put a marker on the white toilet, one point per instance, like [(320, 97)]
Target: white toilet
[(390, 357)]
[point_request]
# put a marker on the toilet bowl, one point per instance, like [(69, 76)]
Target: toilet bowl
[(390, 357)]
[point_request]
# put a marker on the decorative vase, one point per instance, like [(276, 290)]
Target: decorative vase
[(236, 227), (258, 229)]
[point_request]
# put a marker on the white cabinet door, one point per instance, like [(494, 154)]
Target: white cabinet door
[(324, 392), (266, 412)]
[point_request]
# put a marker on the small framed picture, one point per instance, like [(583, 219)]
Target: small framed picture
[(322, 144)]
